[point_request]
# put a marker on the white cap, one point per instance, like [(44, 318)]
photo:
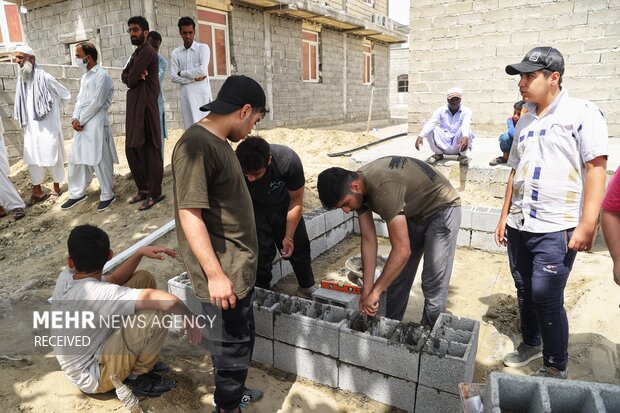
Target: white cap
[(455, 92), (25, 49)]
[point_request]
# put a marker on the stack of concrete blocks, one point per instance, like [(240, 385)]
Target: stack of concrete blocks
[(181, 287), (325, 228), (507, 392), (478, 228), (447, 359), (265, 304)]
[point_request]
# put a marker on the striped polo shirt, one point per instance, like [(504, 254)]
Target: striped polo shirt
[(549, 155)]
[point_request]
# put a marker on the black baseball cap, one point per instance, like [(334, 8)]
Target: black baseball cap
[(236, 91), (539, 58)]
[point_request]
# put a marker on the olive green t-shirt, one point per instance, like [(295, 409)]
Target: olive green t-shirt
[(398, 184), (207, 176)]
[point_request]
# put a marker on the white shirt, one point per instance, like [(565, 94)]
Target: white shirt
[(43, 140), (91, 110), (192, 63), (449, 122), (104, 299), (549, 155)]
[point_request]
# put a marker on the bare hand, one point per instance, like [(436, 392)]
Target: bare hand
[(194, 335), (76, 125), (500, 233), (144, 74), (419, 142), (287, 248), (222, 293), (463, 143), (155, 252), (198, 79), (582, 237), (370, 304)]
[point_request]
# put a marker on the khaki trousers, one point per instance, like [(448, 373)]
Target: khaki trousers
[(130, 349)]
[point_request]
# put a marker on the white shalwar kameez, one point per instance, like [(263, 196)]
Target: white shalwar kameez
[(93, 148), (9, 197), (43, 141), (192, 63)]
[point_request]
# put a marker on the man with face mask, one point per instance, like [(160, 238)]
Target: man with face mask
[(93, 148), (448, 131), (143, 135), (190, 69), (38, 99)]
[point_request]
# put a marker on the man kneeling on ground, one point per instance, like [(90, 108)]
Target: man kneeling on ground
[(127, 350)]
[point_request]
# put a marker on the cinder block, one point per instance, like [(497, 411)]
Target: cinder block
[(181, 287), (485, 241), (546, 395), (383, 345), (377, 386), (466, 211), (265, 303), (381, 228), (335, 235), (305, 363), (463, 238), (336, 298), (315, 223), (449, 355), (263, 350), (310, 325), (429, 400), (333, 218), (287, 268), (484, 219)]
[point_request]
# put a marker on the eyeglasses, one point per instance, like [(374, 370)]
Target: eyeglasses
[(133, 29)]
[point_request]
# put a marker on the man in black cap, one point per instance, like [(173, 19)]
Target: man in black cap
[(553, 198), (216, 231)]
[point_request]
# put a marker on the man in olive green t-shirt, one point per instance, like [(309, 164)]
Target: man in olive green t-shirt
[(423, 214), (216, 231)]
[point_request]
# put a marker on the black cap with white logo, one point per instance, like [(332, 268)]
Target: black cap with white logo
[(538, 58), (236, 92)]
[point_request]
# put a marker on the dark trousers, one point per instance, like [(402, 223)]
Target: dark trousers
[(271, 228), (436, 240), (540, 266), (146, 165), (231, 345)]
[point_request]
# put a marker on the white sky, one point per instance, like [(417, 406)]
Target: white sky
[(399, 11)]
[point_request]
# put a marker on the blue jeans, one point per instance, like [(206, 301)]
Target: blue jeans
[(540, 266), (505, 142)]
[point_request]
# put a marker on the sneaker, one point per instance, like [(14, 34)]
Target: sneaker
[(523, 355), (308, 290), (250, 396), (551, 372), (73, 202), (149, 385), (103, 205)]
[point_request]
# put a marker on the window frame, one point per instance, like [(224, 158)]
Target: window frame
[(404, 79), (367, 64), (213, 59), (4, 25), (310, 44)]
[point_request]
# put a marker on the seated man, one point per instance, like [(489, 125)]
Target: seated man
[(275, 177), (505, 139), (127, 350), (449, 130)]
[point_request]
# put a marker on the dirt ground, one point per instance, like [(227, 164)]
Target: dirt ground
[(32, 253)]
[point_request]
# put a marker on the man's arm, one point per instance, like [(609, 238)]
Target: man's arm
[(61, 92), (141, 61), (221, 289), (428, 127), (611, 231), (295, 207), (369, 250), (124, 272), (396, 261), (175, 68), (594, 188), (202, 70), (500, 230), (102, 101)]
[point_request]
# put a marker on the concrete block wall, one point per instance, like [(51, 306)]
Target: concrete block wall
[(546, 395), (399, 65), (469, 43)]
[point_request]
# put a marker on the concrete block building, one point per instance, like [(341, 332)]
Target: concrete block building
[(469, 43), (318, 61)]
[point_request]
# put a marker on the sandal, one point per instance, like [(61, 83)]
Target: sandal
[(150, 202), (434, 158), (18, 213), (54, 197), (463, 160), (139, 197), (497, 161), (36, 199)]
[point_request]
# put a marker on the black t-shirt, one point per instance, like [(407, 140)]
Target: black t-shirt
[(285, 173)]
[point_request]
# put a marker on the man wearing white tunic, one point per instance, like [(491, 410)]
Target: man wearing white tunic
[(38, 100), (93, 148), (190, 69), (448, 131), (9, 197)]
